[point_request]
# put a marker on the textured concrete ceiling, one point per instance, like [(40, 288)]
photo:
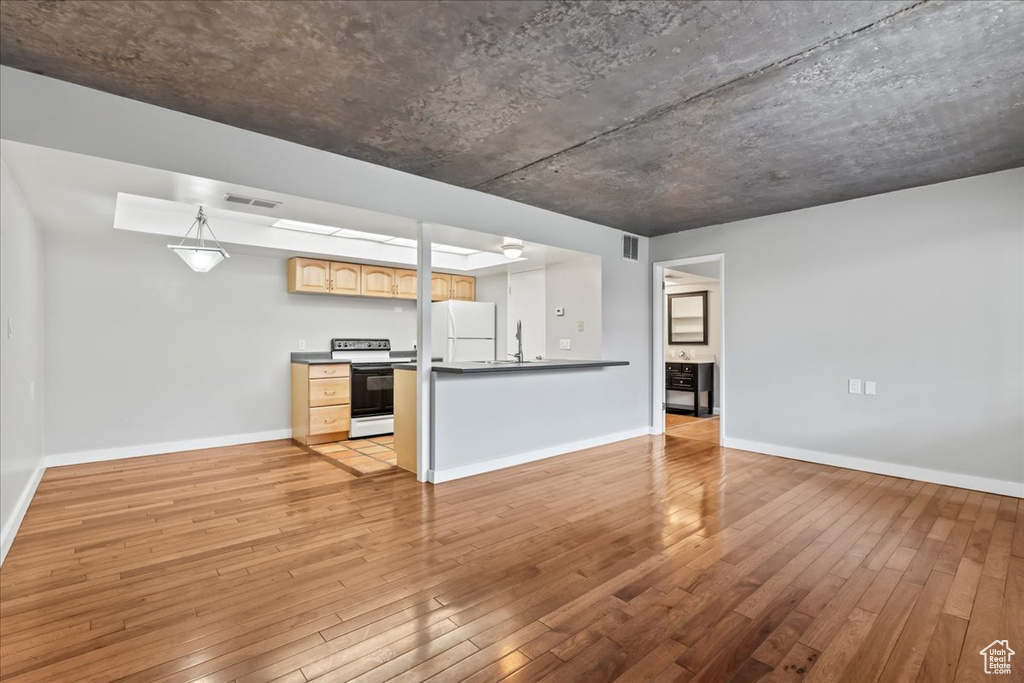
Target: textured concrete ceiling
[(647, 116)]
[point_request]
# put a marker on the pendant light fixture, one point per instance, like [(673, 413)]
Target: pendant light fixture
[(198, 256), (511, 247)]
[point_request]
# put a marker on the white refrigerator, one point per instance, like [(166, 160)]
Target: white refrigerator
[(463, 330)]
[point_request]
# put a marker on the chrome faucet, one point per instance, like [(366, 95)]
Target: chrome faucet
[(519, 338)]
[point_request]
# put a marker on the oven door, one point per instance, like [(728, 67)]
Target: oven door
[(372, 391)]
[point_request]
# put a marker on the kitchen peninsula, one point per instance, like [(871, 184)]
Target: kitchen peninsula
[(472, 434)]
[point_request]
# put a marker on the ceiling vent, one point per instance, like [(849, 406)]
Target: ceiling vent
[(251, 201), (630, 247)]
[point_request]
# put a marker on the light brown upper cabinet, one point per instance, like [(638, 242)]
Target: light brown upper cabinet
[(405, 283), (378, 281), (463, 288), (440, 286), (309, 275), (345, 278), (352, 279)]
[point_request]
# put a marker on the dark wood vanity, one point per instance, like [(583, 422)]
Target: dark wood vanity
[(695, 377)]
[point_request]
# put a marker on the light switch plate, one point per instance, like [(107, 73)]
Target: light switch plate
[(854, 386), (869, 388), (565, 344), (559, 311)]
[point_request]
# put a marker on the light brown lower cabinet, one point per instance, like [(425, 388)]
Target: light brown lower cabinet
[(405, 419), (321, 398)]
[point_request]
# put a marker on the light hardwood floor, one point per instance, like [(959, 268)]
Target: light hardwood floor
[(658, 558)]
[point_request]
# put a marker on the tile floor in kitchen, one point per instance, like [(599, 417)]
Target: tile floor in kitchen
[(361, 457)]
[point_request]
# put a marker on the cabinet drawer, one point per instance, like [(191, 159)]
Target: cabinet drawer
[(680, 384), (329, 392), (332, 370), (328, 419)]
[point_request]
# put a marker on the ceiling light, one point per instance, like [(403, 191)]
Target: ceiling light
[(299, 226), (448, 249), (511, 247), (360, 235), (402, 242), (198, 256)]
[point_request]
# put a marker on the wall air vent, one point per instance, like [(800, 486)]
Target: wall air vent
[(630, 247), (251, 201)]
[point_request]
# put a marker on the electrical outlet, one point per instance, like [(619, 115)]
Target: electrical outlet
[(579, 326), (869, 388), (564, 344), (398, 309), (854, 386), (302, 345), (10, 328)]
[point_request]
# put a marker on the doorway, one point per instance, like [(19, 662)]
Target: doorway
[(688, 345), (527, 302)]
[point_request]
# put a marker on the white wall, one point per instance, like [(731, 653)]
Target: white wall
[(712, 349), (494, 288), (141, 350), (921, 291), (574, 285), (90, 122), (21, 359)]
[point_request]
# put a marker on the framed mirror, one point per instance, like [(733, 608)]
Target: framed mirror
[(688, 318)]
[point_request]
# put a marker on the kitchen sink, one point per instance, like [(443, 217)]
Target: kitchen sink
[(512, 362)]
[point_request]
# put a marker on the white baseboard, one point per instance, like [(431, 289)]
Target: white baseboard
[(964, 481), (103, 454), (20, 508), (439, 476), (57, 460)]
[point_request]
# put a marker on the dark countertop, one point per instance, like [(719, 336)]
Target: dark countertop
[(324, 357), (485, 368)]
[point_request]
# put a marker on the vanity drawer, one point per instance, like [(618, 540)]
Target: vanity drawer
[(329, 392), (331, 370), (328, 419), (681, 383)]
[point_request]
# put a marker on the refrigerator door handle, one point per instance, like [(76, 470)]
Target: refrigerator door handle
[(455, 332)]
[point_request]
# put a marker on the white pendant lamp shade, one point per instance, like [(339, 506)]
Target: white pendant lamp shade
[(199, 259), (511, 247), (198, 256)]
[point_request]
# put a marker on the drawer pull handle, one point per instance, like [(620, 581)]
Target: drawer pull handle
[(328, 421), (330, 393)]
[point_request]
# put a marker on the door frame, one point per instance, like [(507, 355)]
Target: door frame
[(658, 341)]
